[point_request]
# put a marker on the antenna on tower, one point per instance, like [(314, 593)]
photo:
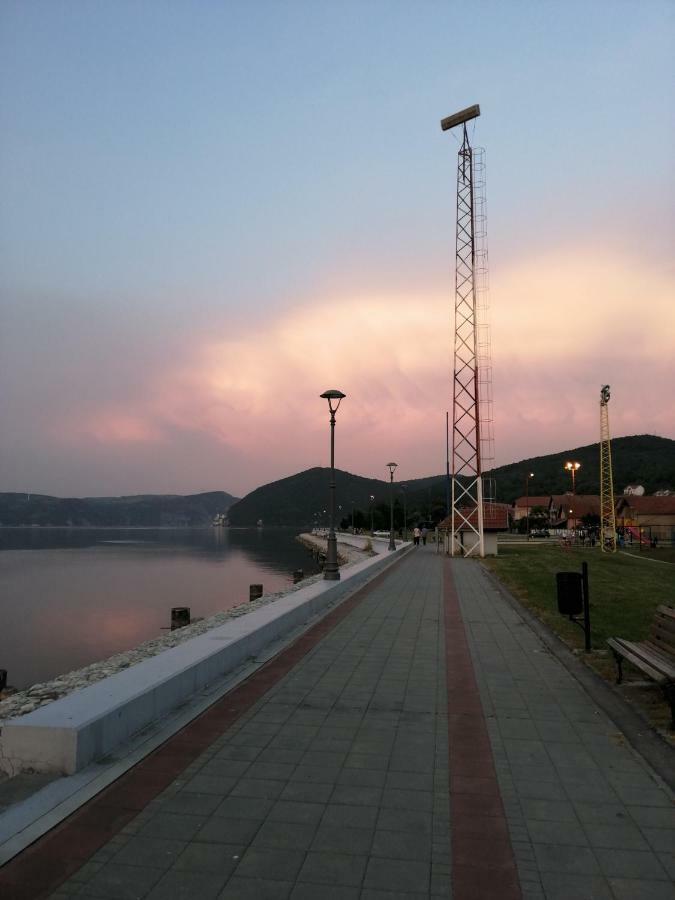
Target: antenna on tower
[(472, 438), (607, 513)]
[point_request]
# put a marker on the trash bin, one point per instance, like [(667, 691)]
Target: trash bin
[(570, 593)]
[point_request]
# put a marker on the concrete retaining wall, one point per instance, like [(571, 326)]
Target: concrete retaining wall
[(66, 735)]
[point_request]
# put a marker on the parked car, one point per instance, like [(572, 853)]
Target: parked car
[(540, 532)]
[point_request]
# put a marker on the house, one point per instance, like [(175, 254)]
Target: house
[(656, 515), (495, 519), (524, 506), (568, 510)]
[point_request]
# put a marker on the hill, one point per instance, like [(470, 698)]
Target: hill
[(147, 510), (302, 498)]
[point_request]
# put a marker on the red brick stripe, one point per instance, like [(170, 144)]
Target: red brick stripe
[(52, 859), (483, 865)]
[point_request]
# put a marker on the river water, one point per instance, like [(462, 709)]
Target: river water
[(69, 597)]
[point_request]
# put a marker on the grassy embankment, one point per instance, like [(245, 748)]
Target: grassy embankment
[(624, 590)]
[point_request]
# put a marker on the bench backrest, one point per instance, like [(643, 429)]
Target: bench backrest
[(663, 629)]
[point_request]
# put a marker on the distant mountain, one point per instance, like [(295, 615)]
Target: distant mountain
[(148, 510), (301, 499)]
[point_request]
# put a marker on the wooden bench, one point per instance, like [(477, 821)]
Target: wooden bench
[(655, 656)]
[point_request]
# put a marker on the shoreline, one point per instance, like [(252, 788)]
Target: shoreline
[(40, 694)]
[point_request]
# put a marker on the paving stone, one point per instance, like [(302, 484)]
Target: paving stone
[(328, 892), (292, 811), (343, 839), (397, 875), (630, 864), (244, 808), (270, 864), (307, 792), (222, 830), (210, 857), (625, 836), (653, 816), (258, 787), (354, 795), (118, 882), (640, 889), (211, 784), (255, 889), (401, 845), (172, 825), (577, 887), (176, 885), (284, 836), (159, 853), (333, 869)]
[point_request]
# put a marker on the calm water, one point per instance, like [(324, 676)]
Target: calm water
[(69, 597)]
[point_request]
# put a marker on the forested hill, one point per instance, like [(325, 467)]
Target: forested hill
[(302, 499), (640, 459), (148, 510)]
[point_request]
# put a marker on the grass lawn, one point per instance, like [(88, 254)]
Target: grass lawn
[(624, 590)]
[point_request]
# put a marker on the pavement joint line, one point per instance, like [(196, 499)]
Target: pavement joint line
[(25, 822), (88, 790)]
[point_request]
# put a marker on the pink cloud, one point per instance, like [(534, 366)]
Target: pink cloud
[(562, 324)]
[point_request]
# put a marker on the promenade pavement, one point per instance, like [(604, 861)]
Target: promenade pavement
[(419, 742)]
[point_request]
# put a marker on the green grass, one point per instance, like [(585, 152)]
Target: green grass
[(664, 554), (624, 589)]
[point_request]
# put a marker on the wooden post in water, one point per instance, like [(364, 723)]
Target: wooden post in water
[(180, 617), (255, 591)]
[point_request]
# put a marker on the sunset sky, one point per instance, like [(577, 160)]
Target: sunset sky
[(214, 211)]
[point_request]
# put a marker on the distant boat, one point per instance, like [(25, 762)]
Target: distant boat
[(220, 520)]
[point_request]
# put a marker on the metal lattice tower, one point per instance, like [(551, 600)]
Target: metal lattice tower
[(472, 369), (607, 514)]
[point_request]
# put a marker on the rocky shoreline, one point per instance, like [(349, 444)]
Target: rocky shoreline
[(25, 701)]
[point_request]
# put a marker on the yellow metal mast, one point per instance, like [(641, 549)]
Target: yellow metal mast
[(607, 514)]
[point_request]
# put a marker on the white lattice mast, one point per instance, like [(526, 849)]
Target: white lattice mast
[(607, 513), (466, 482)]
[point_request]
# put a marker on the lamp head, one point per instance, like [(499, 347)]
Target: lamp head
[(391, 467), (331, 396), (464, 115)]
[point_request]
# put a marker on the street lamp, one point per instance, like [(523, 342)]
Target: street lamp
[(372, 500), (392, 542), (331, 571), (353, 532), (527, 503), (573, 468), (405, 512)]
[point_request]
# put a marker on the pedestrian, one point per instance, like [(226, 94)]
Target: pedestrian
[(416, 536), (424, 536)]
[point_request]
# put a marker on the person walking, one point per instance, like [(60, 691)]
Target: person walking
[(416, 536), (424, 535)]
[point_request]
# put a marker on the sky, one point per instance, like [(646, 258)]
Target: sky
[(214, 211)]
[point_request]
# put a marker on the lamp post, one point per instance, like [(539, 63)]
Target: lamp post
[(353, 532), (527, 503), (405, 512), (331, 571), (392, 542), (372, 500), (573, 468)]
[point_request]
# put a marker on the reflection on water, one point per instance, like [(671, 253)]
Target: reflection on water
[(69, 597)]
